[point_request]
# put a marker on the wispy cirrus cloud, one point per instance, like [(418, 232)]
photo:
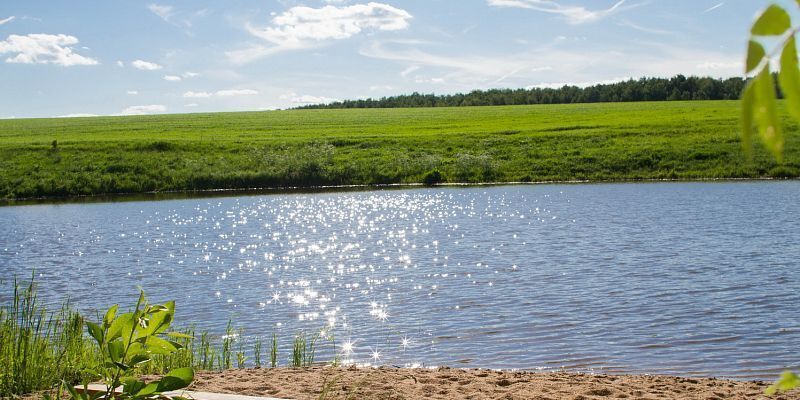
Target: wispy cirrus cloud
[(42, 48), (574, 65), (712, 8), (306, 27), (162, 11), (574, 14), (219, 93), (6, 20)]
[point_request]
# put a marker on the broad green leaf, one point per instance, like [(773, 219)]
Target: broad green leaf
[(788, 381), (148, 390), (160, 346), (176, 379), (748, 100), (178, 335), (159, 322), (121, 326), (131, 386), (110, 315), (766, 114), (755, 53), (139, 359), (773, 21), (789, 78), (115, 350), (95, 331), (135, 349)]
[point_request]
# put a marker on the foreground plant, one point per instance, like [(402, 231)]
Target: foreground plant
[(759, 101), (128, 341)]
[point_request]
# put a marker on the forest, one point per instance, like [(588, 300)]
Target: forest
[(678, 87)]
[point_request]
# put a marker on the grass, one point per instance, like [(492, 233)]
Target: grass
[(620, 141), (39, 348)]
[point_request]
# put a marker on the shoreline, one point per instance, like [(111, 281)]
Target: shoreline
[(452, 383), (259, 191)]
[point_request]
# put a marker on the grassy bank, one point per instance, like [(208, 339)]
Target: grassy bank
[(83, 156)]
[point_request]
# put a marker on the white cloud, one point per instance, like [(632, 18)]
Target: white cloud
[(189, 74), (120, 64), (306, 27), (573, 14), (133, 92), (306, 99), (724, 65), (41, 48), (145, 65), (197, 95), (9, 19), (236, 92), (558, 85), (163, 12), (78, 115), (191, 105), (172, 78), (141, 110), (220, 93)]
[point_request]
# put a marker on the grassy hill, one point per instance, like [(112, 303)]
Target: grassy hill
[(613, 141)]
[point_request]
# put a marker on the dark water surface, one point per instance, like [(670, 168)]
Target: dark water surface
[(668, 278)]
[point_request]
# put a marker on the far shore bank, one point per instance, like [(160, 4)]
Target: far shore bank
[(361, 148), (213, 193), (450, 383)]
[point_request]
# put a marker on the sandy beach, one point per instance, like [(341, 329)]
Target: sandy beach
[(449, 383)]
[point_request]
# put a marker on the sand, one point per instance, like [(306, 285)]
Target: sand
[(448, 383)]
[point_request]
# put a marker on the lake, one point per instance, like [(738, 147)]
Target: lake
[(696, 279)]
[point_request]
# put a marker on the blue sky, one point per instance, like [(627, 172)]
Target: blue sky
[(173, 56)]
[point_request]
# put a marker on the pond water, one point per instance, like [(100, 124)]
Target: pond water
[(692, 279)]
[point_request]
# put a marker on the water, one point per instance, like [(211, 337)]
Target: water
[(671, 278)]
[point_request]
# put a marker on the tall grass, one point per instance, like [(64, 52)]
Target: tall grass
[(303, 350), (39, 348)]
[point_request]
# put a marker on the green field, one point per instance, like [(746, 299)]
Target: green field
[(619, 141)]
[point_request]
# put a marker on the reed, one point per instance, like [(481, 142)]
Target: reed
[(39, 348), (273, 354), (257, 352), (304, 350)]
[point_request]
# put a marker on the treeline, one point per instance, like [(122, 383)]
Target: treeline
[(645, 89)]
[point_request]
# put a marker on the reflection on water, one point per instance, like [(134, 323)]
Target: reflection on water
[(679, 278)]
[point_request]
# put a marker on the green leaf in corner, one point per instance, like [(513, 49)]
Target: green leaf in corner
[(765, 108), (772, 22), (788, 381), (748, 98), (755, 53), (789, 77)]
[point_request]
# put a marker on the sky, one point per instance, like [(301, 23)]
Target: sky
[(124, 57)]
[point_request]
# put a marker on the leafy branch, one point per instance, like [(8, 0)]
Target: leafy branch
[(759, 101)]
